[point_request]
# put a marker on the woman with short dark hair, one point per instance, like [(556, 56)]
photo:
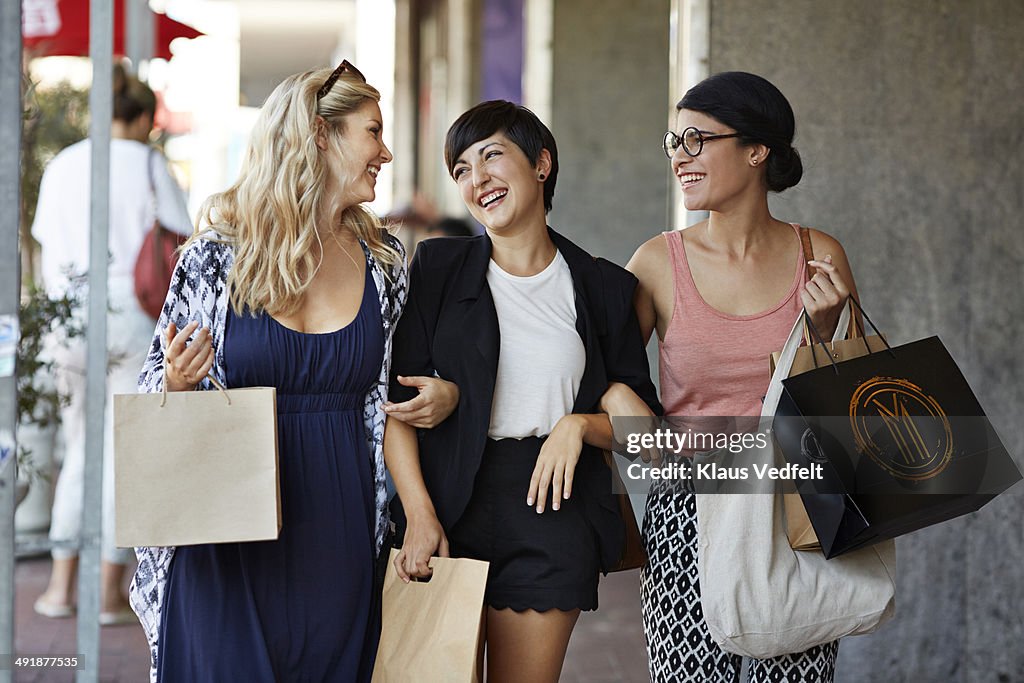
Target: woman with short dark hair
[(532, 329)]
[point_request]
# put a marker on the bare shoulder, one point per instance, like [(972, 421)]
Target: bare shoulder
[(824, 244), (650, 259)]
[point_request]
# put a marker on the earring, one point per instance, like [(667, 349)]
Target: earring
[(541, 176), (753, 162)]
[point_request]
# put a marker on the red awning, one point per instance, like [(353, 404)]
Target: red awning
[(61, 27)]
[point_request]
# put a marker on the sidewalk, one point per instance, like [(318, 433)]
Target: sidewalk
[(607, 646), (124, 656)]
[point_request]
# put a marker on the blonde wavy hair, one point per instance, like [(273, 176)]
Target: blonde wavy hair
[(269, 214)]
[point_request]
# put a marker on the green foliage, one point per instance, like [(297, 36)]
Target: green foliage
[(40, 317)]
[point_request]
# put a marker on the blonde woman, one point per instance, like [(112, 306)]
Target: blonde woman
[(290, 284)]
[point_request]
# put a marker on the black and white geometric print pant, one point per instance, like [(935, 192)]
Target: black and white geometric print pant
[(679, 647)]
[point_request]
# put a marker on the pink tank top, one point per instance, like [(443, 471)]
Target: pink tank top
[(713, 363)]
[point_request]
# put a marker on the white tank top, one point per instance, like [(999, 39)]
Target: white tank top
[(541, 358)]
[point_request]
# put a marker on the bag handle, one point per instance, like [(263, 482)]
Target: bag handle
[(157, 229), (843, 328), (209, 375), (850, 302), (856, 303), (783, 368), (788, 355), (846, 318)]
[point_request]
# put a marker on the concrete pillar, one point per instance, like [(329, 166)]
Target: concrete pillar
[(689, 44), (609, 77), (909, 124), (140, 35), (101, 42), (406, 92)]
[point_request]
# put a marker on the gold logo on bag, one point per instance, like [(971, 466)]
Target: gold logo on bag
[(903, 429)]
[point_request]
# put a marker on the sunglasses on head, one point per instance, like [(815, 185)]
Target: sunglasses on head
[(345, 66)]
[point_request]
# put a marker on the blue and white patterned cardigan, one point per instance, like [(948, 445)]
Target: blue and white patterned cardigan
[(199, 292)]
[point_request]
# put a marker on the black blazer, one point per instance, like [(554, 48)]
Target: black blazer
[(450, 327)]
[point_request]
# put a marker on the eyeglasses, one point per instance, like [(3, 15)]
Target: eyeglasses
[(692, 141), (336, 74)]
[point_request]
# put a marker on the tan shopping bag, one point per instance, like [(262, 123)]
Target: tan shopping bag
[(811, 357), (195, 467), (433, 630), (798, 524)]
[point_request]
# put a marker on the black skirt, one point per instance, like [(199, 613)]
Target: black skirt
[(537, 561)]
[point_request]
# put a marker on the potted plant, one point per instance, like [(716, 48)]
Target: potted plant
[(44, 321)]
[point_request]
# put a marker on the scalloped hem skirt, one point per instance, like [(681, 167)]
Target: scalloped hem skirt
[(537, 561)]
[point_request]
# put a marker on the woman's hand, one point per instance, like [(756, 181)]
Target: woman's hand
[(437, 400), (629, 416), (556, 463), (824, 297), (187, 364), (424, 536)]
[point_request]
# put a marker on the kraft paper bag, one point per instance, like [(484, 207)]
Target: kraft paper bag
[(798, 524), (432, 630), (812, 357), (193, 467)]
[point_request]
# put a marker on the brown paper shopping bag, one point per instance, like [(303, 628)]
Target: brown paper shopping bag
[(811, 357), (432, 630), (798, 524), (195, 467)]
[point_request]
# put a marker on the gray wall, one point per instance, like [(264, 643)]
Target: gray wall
[(609, 110), (909, 120)]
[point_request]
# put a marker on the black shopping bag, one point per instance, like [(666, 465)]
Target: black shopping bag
[(899, 440)]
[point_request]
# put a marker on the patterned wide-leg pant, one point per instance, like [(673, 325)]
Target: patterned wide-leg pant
[(679, 647)]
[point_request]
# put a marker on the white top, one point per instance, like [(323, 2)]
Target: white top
[(541, 358), (61, 224)]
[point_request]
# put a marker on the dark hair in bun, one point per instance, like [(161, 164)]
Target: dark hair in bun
[(132, 97), (759, 112)]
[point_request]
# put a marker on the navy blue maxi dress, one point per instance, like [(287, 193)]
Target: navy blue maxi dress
[(300, 608)]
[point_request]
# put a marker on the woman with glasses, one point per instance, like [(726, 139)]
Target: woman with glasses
[(722, 295), (532, 329), (290, 283)]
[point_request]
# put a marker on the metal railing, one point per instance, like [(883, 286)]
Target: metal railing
[(11, 112), (10, 213)]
